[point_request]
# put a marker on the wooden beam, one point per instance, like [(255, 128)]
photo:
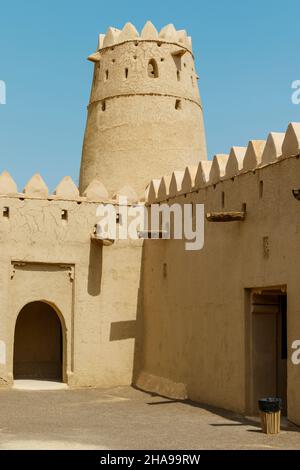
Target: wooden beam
[(102, 241), (229, 216)]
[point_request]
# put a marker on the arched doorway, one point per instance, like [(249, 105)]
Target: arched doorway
[(38, 344)]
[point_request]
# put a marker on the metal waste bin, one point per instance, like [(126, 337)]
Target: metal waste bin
[(270, 411)]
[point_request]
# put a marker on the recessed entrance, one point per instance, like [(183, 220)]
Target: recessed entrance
[(268, 348), (38, 344)]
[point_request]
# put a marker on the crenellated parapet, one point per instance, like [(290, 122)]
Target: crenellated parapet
[(66, 190), (168, 34), (240, 160), (126, 60)]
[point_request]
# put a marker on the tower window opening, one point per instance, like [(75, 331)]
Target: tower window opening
[(97, 72), (192, 80), (103, 106), (178, 104), (126, 72), (193, 210), (106, 74), (261, 189), (152, 69), (178, 75), (6, 212), (223, 199), (64, 214)]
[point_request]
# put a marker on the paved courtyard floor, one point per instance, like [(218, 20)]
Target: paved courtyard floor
[(125, 418)]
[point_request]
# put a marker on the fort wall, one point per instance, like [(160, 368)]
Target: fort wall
[(196, 323), (48, 254)]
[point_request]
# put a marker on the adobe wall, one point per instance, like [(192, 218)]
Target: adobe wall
[(93, 288), (195, 313)]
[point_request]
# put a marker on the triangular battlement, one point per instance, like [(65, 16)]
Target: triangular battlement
[(168, 34)]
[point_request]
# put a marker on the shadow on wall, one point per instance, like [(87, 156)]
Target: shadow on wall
[(95, 269), (130, 329), (122, 330)]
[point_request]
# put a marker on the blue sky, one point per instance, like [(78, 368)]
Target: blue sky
[(247, 55)]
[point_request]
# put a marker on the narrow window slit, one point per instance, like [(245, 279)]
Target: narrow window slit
[(6, 212), (261, 189), (178, 104), (223, 199)]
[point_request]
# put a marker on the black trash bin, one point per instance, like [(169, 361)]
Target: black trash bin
[(270, 411)]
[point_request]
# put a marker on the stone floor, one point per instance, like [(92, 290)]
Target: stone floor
[(125, 418)]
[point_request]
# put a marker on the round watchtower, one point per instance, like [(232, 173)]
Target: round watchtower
[(145, 114)]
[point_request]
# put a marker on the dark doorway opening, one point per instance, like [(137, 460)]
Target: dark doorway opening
[(38, 344), (269, 346)]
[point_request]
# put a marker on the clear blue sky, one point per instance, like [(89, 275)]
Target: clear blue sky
[(247, 55)]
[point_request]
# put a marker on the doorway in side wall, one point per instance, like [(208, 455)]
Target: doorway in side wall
[(267, 340)]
